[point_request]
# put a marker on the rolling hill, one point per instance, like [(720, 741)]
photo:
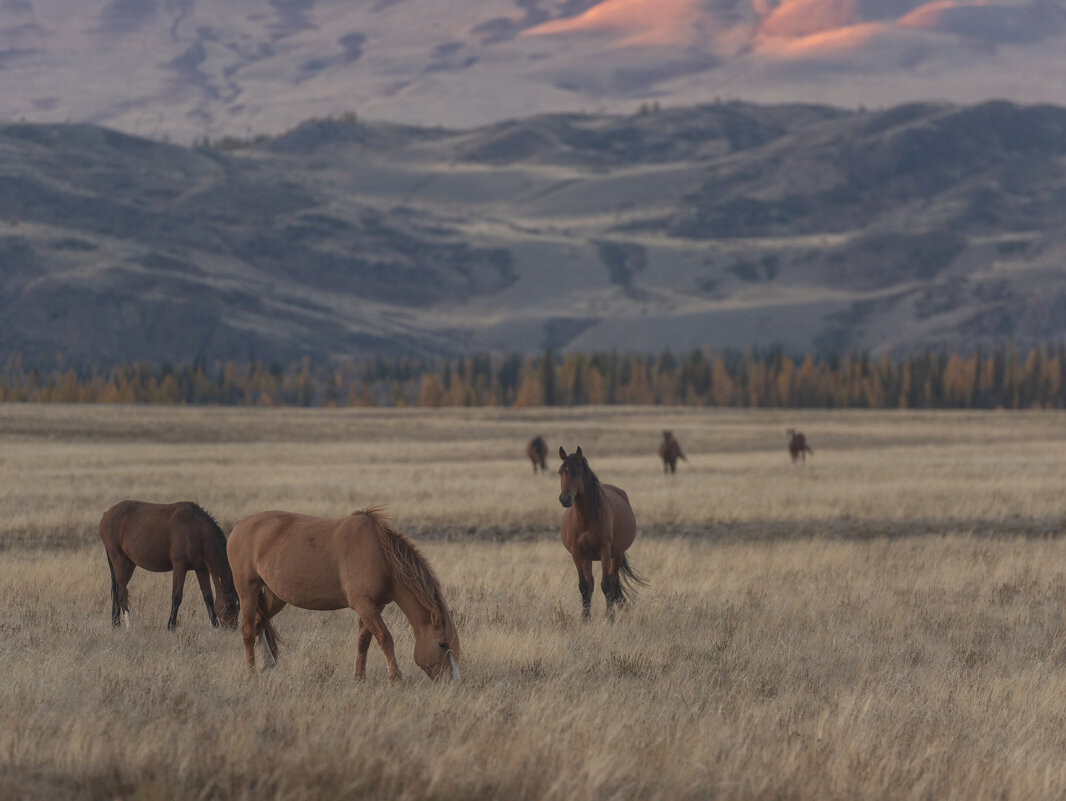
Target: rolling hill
[(728, 224)]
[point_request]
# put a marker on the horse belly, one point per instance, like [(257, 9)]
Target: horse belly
[(305, 578), (153, 556)]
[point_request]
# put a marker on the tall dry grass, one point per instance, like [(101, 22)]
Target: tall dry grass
[(806, 666), (464, 471)]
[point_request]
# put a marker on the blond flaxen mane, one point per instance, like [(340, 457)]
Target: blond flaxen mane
[(410, 566)]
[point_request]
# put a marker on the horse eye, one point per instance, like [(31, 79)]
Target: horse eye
[(443, 644)]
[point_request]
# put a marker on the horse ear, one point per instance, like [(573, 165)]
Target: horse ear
[(562, 453), (579, 452)]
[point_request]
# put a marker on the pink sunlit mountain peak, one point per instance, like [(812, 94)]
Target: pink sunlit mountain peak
[(194, 68)]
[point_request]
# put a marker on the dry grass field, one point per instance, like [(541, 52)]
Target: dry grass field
[(886, 622)]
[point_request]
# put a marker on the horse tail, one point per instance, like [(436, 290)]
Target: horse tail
[(114, 581), (809, 448), (273, 638), (628, 580), (682, 455)]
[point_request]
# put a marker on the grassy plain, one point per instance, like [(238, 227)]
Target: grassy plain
[(886, 622)]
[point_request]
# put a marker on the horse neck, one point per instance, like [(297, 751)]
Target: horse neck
[(417, 615), (590, 512), (218, 566)]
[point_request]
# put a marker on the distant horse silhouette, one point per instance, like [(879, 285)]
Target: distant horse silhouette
[(537, 451), (797, 446), (354, 562), (598, 525), (670, 452), (176, 537)]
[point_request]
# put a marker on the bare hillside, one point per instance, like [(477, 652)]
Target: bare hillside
[(729, 225)]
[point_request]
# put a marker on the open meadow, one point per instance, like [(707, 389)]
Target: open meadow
[(886, 621)]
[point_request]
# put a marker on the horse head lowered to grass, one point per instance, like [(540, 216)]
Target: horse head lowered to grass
[(356, 562)]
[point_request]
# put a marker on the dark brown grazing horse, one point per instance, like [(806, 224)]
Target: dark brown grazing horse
[(670, 452), (355, 562), (797, 445), (598, 525), (537, 451), (160, 537)]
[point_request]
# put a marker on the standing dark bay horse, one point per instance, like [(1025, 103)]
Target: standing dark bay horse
[(176, 537), (797, 446), (537, 451), (598, 525), (670, 452), (355, 562)]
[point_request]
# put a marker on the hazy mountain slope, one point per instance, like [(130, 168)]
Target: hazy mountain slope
[(190, 68), (727, 225)]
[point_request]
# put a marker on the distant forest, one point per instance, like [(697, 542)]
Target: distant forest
[(1001, 378)]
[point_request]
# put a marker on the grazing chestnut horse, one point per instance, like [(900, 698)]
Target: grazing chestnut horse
[(356, 562), (537, 451), (670, 452), (797, 446), (598, 525), (160, 537)]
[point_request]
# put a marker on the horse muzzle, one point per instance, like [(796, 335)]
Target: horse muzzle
[(566, 500)]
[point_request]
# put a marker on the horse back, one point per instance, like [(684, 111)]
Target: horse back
[(155, 535), (310, 562)]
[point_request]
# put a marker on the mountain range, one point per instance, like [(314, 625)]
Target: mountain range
[(725, 224)]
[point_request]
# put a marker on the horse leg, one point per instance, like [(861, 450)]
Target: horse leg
[(271, 606), (248, 615), (609, 583), (584, 584), (204, 578), (365, 635), (124, 568), (370, 615), (248, 594), (180, 569)]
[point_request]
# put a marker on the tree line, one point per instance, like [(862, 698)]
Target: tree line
[(1002, 377)]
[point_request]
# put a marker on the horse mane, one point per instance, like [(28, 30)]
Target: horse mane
[(410, 567), (217, 544), (592, 490)]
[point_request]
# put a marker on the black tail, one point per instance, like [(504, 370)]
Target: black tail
[(273, 639), (114, 591), (628, 579), (114, 581)]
